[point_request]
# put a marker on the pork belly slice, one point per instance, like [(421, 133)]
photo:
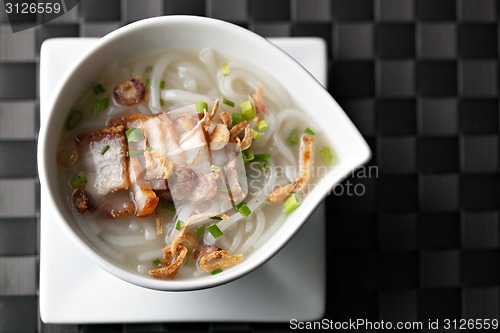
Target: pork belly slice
[(103, 153), (161, 137), (144, 198), (157, 166), (128, 119), (235, 173)]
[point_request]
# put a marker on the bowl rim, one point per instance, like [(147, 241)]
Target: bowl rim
[(197, 283)]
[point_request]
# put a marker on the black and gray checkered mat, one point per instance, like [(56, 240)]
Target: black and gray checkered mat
[(420, 79)]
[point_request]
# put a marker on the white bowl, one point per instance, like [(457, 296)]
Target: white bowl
[(189, 32)]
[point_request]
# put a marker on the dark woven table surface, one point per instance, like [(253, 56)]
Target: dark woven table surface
[(420, 79)]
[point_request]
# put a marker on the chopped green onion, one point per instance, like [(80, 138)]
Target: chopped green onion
[(162, 102), (149, 148), (157, 262), (200, 230), (131, 153), (73, 120), (162, 84), (247, 110), (178, 225), (217, 218), (237, 118), (78, 180), (226, 190), (247, 155), (291, 203), (168, 206), (327, 155), (216, 271), (148, 69), (226, 70), (309, 131), (255, 134), (134, 134), (100, 105), (105, 149), (243, 209), (294, 136), (228, 102), (99, 89), (262, 157), (148, 82), (201, 106), (215, 231), (262, 125), (215, 168)]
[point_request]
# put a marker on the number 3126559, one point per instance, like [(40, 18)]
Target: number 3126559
[(33, 8)]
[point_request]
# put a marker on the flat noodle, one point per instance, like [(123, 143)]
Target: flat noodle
[(179, 238), (159, 226)]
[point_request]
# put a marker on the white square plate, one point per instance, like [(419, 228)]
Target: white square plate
[(73, 289)]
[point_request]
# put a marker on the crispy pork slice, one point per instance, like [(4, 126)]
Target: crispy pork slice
[(162, 137), (145, 199), (127, 119), (103, 154), (235, 173), (157, 166)]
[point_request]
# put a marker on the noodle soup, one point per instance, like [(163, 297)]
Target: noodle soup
[(178, 164)]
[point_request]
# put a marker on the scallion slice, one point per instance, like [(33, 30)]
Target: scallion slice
[(237, 118), (255, 134), (294, 136), (228, 102), (226, 70), (157, 262), (178, 225), (247, 155), (168, 206), (131, 153), (149, 148), (262, 157), (216, 271), (162, 84), (244, 209), (134, 134), (78, 180), (73, 120), (201, 106), (105, 149), (247, 110), (262, 125), (162, 102), (100, 105), (326, 155), (99, 89), (226, 190), (215, 231), (309, 131), (148, 82), (291, 203), (200, 230)]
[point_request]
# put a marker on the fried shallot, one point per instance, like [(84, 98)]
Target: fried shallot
[(281, 193), (170, 266), (212, 257)]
